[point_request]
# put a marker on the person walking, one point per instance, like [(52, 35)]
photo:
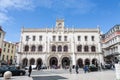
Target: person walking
[(76, 68), (29, 70)]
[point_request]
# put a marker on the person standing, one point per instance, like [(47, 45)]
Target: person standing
[(29, 70), (86, 68)]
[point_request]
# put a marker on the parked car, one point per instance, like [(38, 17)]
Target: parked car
[(14, 70), (33, 67), (108, 66), (93, 68)]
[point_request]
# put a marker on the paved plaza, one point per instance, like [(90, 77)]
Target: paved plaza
[(61, 74)]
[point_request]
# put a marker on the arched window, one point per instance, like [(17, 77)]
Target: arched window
[(33, 48), (86, 49), (66, 48), (40, 48), (25, 62), (93, 49), (87, 61), (59, 48), (53, 48), (26, 48), (79, 48), (32, 61)]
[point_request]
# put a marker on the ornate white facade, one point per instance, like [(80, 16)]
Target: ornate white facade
[(60, 46)]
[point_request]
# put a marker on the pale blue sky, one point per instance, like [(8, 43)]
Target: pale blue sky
[(14, 14)]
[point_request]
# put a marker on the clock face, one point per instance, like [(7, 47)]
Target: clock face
[(60, 24)]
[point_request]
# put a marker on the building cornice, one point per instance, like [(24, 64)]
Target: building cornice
[(55, 30)]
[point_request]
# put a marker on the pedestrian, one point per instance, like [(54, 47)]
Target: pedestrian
[(76, 68), (85, 68), (70, 70), (113, 66), (39, 67), (29, 70)]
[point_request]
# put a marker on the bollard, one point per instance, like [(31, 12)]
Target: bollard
[(7, 75)]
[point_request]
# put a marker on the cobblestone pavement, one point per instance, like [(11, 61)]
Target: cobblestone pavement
[(61, 74)]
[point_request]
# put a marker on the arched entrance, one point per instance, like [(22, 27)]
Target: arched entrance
[(80, 62), (39, 63), (25, 62), (53, 62), (32, 61), (94, 62), (87, 62), (65, 62)]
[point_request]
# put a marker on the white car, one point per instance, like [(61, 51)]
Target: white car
[(33, 67)]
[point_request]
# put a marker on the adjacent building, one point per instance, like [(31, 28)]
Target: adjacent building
[(8, 53), (111, 44), (60, 46), (2, 34)]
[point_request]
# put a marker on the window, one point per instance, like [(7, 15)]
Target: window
[(65, 38), (59, 48), (3, 57), (5, 45), (11, 57), (92, 38), (78, 38), (11, 51), (66, 48), (4, 49), (8, 51), (85, 38), (33, 48), (54, 38), (40, 48), (86, 48), (33, 38), (53, 48), (59, 38), (7, 57), (12, 46), (8, 45), (79, 48), (27, 38), (93, 49), (40, 38), (26, 48)]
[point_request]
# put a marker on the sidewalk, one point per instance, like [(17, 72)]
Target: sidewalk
[(46, 75), (18, 78)]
